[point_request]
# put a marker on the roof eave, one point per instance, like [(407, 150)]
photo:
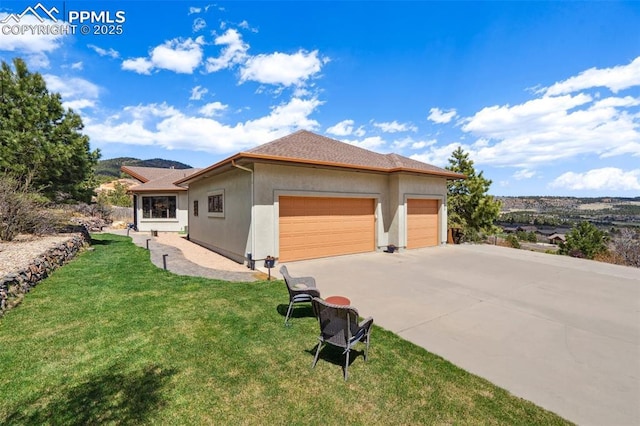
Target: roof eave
[(133, 190), (133, 174), (291, 160)]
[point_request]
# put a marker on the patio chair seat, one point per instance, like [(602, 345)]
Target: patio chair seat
[(301, 290)]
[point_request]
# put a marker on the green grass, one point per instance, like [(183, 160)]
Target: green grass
[(111, 339)]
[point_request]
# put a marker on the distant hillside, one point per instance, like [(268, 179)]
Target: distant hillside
[(111, 167)]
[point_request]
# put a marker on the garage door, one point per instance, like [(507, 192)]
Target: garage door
[(312, 227), (422, 223)]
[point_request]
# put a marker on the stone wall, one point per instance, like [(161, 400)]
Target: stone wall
[(14, 286)]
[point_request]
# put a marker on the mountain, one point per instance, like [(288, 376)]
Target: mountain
[(111, 167)]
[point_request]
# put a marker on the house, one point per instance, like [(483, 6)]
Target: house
[(557, 238), (158, 203), (307, 196)]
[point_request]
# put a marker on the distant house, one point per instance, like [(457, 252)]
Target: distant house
[(557, 238), (306, 196), (158, 203), (527, 228)]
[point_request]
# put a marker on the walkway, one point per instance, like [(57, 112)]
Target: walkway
[(187, 258)]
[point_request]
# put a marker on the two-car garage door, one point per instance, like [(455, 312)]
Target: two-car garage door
[(313, 227)]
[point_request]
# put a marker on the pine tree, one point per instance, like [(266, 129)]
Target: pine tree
[(469, 206), (41, 143), (584, 240)]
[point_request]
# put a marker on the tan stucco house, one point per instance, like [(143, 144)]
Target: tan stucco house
[(158, 203), (306, 196)]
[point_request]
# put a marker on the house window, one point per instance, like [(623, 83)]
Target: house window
[(159, 207), (195, 207), (215, 204)]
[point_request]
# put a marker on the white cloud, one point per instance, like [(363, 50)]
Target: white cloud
[(524, 174), (30, 43), (234, 52), (193, 10), (72, 88), (177, 55), (551, 128), (199, 24), (181, 56), (615, 79), (439, 155), (198, 92), (423, 144), (343, 128), (77, 66), (139, 65), (104, 52), (167, 127), (79, 104), (607, 178), (441, 117), (374, 143), (281, 68), (245, 26), (212, 109), (395, 127), (360, 132)]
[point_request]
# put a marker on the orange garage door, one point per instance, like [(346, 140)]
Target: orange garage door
[(312, 227), (422, 223)]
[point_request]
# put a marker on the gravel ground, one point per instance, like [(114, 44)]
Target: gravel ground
[(16, 255), (185, 257)]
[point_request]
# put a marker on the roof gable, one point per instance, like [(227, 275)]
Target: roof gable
[(157, 179)]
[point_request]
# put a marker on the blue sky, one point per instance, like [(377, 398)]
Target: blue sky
[(544, 96)]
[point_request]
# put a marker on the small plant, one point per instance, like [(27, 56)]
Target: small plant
[(512, 240)]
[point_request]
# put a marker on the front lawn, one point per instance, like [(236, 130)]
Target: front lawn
[(110, 338)]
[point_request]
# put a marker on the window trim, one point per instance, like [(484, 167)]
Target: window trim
[(212, 194)]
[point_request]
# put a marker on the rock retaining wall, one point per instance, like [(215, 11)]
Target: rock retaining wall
[(14, 286)]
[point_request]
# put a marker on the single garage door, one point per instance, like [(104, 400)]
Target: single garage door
[(312, 227), (422, 223)]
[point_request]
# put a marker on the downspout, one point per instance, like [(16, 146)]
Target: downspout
[(253, 224)]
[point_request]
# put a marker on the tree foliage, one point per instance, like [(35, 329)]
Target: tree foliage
[(41, 143), (468, 204), (584, 240), (118, 197)]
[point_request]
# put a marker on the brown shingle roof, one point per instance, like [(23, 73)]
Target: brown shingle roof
[(309, 148), (157, 179), (306, 145)]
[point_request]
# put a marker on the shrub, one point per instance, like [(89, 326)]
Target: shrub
[(513, 241), (584, 241), (21, 210)]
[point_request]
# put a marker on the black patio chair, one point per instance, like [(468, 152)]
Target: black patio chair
[(301, 289), (339, 327)]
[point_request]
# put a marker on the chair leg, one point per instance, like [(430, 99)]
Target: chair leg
[(315, 359), (366, 349), (346, 365), (286, 318)]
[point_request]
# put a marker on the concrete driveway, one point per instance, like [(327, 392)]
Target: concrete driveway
[(563, 333)]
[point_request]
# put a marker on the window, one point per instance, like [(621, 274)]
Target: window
[(215, 205), (195, 207), (159, 207)]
